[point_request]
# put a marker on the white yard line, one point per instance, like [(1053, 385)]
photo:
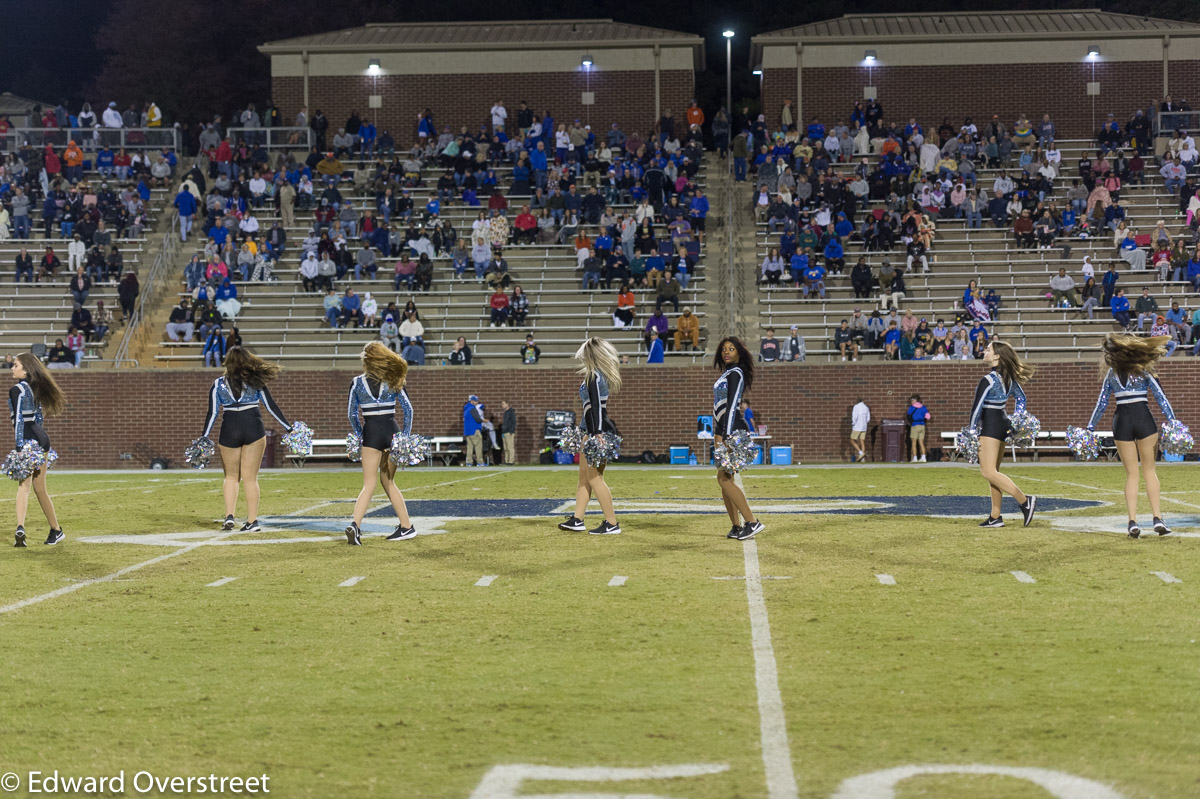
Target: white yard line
[(1167, 577), (486, 580), (33, 600), (885, 579), (353, 581), (452, 482), (1023, 577), (1113, 491), (777, 757), (221, 582), (617, 581)]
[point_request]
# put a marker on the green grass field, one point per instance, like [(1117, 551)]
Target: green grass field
[(415, 681)]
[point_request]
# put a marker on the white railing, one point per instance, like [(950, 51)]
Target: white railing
[(275, 138), (115, 138), (166, 254)]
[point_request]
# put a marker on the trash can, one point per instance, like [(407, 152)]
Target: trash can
[(268, 459), (893, 440)]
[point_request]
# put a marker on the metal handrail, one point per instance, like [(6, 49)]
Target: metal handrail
[(275, 138), (116, 138), (166, 253)]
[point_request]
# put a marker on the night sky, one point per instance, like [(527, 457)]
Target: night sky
[(81, 49)]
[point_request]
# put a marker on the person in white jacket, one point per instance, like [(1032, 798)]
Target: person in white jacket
[(76, 253), (112, 117), (860, 418)]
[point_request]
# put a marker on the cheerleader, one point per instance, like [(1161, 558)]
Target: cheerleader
[(1008, 373), (601, 373), (737, 373), (35, 394), (1130, 379), (236, 396), (375, 393)]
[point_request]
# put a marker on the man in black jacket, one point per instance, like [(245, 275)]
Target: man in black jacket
[(508, 433)]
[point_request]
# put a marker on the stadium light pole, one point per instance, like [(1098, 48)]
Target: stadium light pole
[(728, 34)]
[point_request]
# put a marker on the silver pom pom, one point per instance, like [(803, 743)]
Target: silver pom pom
[(298, 440), (1175, 438), (1083, 443), (602, 448), (735, 453), (966, 441), (1024, 428), (409, 449), (354, 447), (572, 439), (199, 453), (23, 463)]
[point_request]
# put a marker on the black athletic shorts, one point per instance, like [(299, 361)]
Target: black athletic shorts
[(35, 432), (1133, 422), (993, 424), (378, 432), (241, 428)]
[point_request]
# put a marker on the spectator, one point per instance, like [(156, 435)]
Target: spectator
[(814, 281), (499, 305), (530, 352), (214, 347), (411, 330), (370, 309), (1023, 231), (24, 265), (655, 351), (80, 286), (351, 309), (1120, 308), (460, 355), (1163, 328), (226, 300), (424, 273), (1062, 286), (860, 419), (389, 333), (843, 339), (406, 272), (656, 322), (794, 348), (626, 305), (917, 415), (891, 342), (1193, 270), (1090, 296), (364, 261), (60, 356), (668, 291), (127, 294), (916, 252), (179, 324), (687, 329), (1131, 253), (473, 419), (102, 321), (772, 267), (333, 308), (1146, 308), (862, 279), (518, 307), (768, 351), (49, 266), (1109, 282), (1177, 322)]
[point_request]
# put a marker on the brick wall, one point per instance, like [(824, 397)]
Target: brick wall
[(932, 92), (160, 411), (626, 98)]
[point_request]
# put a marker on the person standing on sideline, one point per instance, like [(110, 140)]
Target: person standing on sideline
[(472, 431), (860, 418), (918, 415), (508, 432)]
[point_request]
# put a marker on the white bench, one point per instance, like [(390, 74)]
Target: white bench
[(445, 447), (1047, 441)]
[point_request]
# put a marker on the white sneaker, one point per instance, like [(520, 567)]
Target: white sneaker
[(843, 357), (493, 324), (914, 460), (922, 459)]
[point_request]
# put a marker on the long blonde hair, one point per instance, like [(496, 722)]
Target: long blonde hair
[(1012, 367), (598, 356), (384, 365), (1133, 355), (45, 391), (244, 368)]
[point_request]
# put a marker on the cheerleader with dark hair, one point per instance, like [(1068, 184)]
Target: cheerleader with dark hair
[(34, 395), (1008, 372), (1130, 380), (737, 374), (236, 396), (601, 372), (375, 394)]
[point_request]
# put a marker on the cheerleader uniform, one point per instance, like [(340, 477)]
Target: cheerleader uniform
[(991, 397), (1131, 419), (593, 392), (242, 424), (377, 403), (26, 416), (727, 396)]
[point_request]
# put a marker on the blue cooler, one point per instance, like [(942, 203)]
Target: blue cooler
[(758, 455), (679, 455), (781, 456), (1166, 456)]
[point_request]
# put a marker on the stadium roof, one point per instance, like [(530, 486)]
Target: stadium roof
[(516, 34), (978, 25)]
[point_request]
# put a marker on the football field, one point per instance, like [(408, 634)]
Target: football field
[(873, 642)]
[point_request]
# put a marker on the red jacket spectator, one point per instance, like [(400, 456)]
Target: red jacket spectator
[(525, 221), (51, 162), (499, 301), (498, 202), (224, 153), (216, 272)]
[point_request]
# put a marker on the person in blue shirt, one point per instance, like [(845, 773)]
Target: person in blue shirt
[(787, 245), (1120, 308), (104, 162), (844, 226), (834, 257), (798, 265), (891, 342), (366, 139), (656, 348), (918, 415), (814, 280), (185, 203), (698, 208), (816, 131)]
